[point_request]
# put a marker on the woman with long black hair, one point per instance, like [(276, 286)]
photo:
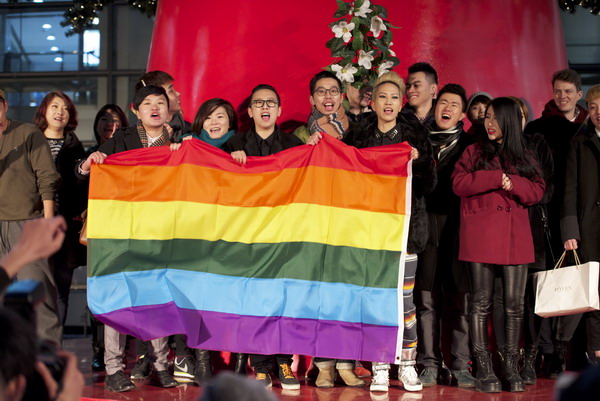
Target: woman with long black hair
[(497, 180)]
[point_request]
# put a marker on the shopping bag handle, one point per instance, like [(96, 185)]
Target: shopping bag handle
[(562, 258)]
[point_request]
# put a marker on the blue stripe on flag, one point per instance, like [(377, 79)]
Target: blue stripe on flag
[(245, 296)]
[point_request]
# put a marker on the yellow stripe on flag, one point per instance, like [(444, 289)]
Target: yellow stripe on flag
[(295, 222)]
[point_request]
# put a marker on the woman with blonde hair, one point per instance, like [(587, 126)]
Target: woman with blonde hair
[(387, 127)]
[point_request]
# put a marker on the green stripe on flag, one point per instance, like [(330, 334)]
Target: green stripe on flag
[(294, 260)]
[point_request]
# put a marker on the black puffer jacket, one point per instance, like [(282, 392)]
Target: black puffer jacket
[(407, 129)]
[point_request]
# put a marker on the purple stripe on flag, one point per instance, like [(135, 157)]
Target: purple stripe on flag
[(258, 334)]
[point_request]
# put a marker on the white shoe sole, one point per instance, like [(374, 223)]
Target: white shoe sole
[(183, 380), (413, 388), (290, 386), (379, 387)]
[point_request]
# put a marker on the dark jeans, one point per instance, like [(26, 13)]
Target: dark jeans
[(63, 275), (568, 324), (482, 291), (181, 348), (264, 363), (432, 308)]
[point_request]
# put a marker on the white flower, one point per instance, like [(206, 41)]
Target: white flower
[(392, 53), (364, 59), (343, 30), (377, 26), (385, 67), (363, 10), (345, 74)]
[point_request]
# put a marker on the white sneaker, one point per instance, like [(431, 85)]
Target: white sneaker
[(381, 379), (409, 378)]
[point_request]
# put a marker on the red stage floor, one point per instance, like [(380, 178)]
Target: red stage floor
[(94, 390)]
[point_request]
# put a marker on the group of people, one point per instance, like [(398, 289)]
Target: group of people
[(489, 206)]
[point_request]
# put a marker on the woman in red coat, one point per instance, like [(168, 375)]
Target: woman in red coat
[(497, 180)]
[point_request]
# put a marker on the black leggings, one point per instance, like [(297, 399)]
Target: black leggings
[(482, 292)]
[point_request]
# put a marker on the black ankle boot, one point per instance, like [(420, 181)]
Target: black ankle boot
[(203, 371), (241, 360), (557, 365), (511, 380), (97, 359), (486, 381), (528, 371)]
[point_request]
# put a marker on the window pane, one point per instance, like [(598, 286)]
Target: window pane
[(133, 33), (25, 95), (35, 41), (582, 37)]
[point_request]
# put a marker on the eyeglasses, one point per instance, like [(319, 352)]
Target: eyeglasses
[(323, 91), (258, 103)]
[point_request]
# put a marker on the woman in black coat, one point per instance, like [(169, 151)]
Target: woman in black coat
[(56, 117)]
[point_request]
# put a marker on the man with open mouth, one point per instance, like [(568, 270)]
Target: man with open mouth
[(327, 114), (264, 139), (442, 282)]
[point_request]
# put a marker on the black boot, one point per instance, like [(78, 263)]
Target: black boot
[(486, 381), (241, 360), (511, 380), (203, 371), (558, 359), (97, 359), (528, 370)]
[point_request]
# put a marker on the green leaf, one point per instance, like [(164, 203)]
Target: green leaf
[(347, 53), (382, 12), (356, 21), (386, 38), (343, 9), (329, 43), (357, 42), (394, 60), (362, 71), (358, 4), (375, 42), (337, 43), (344, 52), (340, 14)]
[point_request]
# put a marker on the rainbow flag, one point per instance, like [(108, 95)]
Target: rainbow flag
[(301, 252)]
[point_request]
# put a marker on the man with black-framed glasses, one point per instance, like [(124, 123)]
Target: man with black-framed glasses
[(264, 139), (327, 114), (328, 117)]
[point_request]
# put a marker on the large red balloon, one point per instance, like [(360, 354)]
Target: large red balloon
[(224, 48)]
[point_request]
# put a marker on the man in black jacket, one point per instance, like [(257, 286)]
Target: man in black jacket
[(264, 139), (442, 282), (561, 120), (581, 208), (421, 91)]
